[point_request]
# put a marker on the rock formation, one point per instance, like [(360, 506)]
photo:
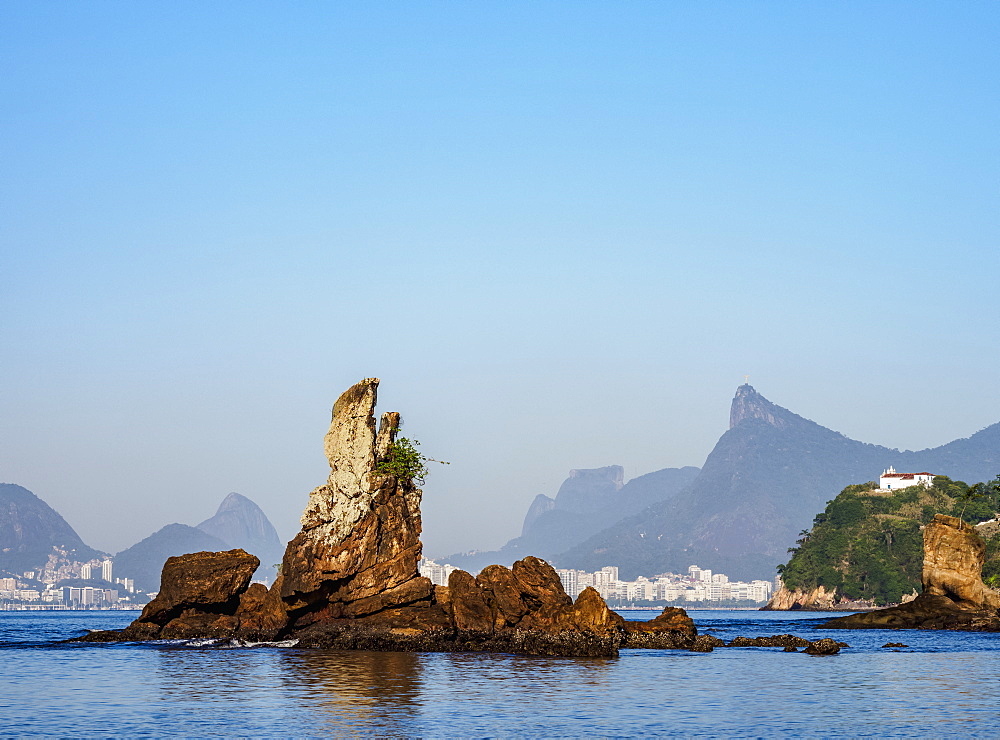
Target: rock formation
[(813, 599), (349, 579), (954, 595)]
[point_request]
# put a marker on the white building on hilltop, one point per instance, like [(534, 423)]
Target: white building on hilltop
[(890, 479)]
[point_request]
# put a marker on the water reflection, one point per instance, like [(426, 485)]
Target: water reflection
[(355, 691), (945, 683)]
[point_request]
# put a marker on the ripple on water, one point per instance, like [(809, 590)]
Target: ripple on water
[(944, 683)]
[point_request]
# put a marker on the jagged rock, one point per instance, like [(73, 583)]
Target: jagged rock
[(350, 579), (824, 646), (673, 628), (953, 563), (953, 597), (469, 609), (814, 599), (895, 645), (772, 641), (201, 596), (359, 546), (261, 614), (705, 644), (791, 644), (207, 581)]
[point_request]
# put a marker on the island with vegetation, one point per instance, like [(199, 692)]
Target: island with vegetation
[(866, 547)]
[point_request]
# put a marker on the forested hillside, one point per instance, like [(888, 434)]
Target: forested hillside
[(868, 545)]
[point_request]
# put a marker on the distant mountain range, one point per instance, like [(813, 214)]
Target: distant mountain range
[(31, 532), (144, 560), (238, 523), (766, 479), (33, 537), (587, 501)]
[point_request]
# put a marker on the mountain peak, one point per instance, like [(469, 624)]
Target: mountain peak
[(749, 404), (239, 522), (235, 501)]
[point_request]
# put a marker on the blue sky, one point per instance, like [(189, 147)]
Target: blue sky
[(560, 233)]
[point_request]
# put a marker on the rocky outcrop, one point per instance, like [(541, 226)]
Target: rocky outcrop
[(815, 599), (359, 546), (350, 579), (200, 597), (953, 564), (953, 596), (823, 646)]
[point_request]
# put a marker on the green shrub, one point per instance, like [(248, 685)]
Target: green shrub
[(404, 461)]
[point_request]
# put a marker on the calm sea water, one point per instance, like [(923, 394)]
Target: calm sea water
[(943, 684)]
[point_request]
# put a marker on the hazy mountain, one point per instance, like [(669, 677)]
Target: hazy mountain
[(144, 560), (241, 523), (587, 501), (238, 523), (766, 479), (31, 531)]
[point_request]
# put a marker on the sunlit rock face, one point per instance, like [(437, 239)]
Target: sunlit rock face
[(811, 599), (358, 551), (954, 554), (953, 596)]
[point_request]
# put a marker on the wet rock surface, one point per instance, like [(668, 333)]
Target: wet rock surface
[(772, 641), (791, 644), (954, 596), (824, 646)]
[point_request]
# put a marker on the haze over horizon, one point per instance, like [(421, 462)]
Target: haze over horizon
[(559, 234)]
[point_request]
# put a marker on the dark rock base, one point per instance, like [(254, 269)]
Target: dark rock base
[(926, 612), (521, 642)]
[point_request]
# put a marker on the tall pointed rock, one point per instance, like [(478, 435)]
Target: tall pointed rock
[(358, 551)]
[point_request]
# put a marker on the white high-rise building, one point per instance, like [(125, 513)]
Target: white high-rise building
[(570, 582), (106, 571), (85, 571), (438, 574)]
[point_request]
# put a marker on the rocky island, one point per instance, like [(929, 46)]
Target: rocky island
[(350, 578), (954, 596)]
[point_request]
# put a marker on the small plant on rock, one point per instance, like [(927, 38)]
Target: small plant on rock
[(405, 461)]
